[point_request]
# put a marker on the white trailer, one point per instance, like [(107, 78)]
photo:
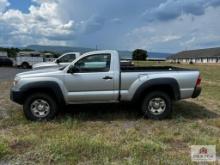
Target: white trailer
[(28, 59)]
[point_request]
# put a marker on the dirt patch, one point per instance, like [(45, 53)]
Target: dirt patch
[(211, 83), (19, 146), (178, 144)]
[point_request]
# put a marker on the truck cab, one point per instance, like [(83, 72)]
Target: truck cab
[(95, 76)]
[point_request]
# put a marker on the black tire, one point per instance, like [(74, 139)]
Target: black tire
[(28, 106), (160, 98), (11, 64), (25, 65)]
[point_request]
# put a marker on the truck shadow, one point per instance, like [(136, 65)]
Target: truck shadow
[(190, 110), (112, 112)]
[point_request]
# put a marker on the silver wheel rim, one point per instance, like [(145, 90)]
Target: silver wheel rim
[(157, 106), (40, 108)]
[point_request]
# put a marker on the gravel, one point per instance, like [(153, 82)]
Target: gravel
[(8, 73)]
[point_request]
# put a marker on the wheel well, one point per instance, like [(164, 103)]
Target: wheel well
[(47, 91), (24, 63), (163, 88)]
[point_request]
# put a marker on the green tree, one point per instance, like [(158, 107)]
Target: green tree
[(12, 52), (139, 55)]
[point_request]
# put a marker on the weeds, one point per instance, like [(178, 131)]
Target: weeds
[(112, 134)]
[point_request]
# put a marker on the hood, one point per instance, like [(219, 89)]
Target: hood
[(44, 64), (39, 73)]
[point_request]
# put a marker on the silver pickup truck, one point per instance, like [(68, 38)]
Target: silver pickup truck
[(98, 77)]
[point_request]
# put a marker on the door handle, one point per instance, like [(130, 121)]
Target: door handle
[(107, 78)]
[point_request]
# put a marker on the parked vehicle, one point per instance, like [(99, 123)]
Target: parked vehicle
[(98, 77), (5, 61), (62, 61), (28, 59), (49, 57)]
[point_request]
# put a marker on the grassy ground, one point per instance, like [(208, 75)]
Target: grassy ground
[(112, 134)]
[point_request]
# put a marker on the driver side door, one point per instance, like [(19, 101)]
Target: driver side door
[(93, 82)]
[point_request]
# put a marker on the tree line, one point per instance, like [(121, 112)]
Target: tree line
[(12, 52), (137, 55)]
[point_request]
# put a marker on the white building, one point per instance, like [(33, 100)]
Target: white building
[(3, 54), (211, 55)]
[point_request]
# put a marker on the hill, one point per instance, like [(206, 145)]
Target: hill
[(198, 53)]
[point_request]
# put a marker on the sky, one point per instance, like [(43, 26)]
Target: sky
[(159, 25)]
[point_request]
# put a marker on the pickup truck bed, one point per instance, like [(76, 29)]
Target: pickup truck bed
[(152, 69)]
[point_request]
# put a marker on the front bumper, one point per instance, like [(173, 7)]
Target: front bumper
[(16, 96), (197, 92)]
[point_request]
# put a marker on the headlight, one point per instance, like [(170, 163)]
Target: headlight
[(16, 80)]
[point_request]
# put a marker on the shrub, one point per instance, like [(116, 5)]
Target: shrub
[(139, 55)]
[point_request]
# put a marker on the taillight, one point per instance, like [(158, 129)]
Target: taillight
[(198, 82)]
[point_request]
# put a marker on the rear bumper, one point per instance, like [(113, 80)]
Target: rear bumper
[(16, 96), (197, 92)]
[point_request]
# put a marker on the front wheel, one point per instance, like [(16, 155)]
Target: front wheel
[(157, 105), (39, 107), (25, 65)]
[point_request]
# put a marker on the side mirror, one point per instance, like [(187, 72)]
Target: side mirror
[(73, 69)]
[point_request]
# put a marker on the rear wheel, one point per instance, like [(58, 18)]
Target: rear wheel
[(39, 107), (157, 105)]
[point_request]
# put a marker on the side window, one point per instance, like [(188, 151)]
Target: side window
[(68, 58), (94, 63)]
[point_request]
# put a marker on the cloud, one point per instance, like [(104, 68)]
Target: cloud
[(172, 9), (45, 1), (41, 22), (93, 24), (3, 5), (44, 22), (116, 20), (176, 35), (168, 25)]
